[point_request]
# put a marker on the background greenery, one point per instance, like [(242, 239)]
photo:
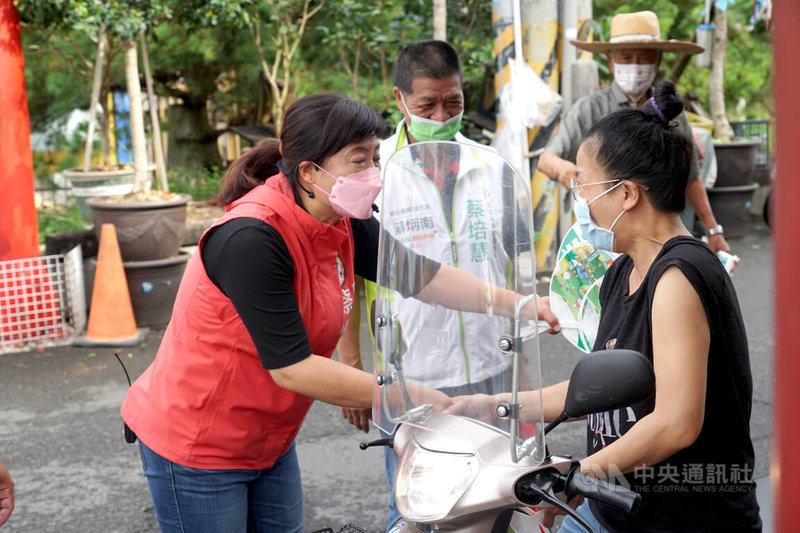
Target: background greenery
[(748, 56), (204, 53)]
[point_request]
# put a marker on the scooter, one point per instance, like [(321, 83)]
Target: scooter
[(477, 471)]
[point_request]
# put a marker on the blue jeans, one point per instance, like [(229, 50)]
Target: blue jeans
[(390, 463), (190, 500), (570, 525)]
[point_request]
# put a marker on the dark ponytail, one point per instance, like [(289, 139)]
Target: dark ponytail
[(251, 169), (646, 146), (665, 104), (315, 127)]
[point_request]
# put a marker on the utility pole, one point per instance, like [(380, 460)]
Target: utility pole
[(440, 20)]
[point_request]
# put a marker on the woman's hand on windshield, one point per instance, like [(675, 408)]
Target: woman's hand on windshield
[(543, 312), (420, 395), (477, 406)]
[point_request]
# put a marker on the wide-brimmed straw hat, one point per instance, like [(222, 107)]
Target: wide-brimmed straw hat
[(637, 30)]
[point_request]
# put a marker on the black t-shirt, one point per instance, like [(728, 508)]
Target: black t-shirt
[(707, 486), (249, 262)]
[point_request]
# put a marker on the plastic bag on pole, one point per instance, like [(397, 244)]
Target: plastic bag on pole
[(525, 102)]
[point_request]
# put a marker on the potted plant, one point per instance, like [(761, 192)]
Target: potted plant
[(150, 224), (56, 17)]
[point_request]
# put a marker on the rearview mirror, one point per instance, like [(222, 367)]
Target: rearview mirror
[(606, 380)]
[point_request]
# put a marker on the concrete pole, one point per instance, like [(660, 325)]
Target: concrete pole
[(519, 56), (19, 231), (569, 23), (584, 71), (440, 20), (579, 77)]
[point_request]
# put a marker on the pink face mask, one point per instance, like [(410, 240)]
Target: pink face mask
[(352, 195)]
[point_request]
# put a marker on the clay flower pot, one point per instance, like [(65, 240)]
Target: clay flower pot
[(146, 230), (98, 183)]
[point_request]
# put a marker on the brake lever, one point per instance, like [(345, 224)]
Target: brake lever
[(543, 485)]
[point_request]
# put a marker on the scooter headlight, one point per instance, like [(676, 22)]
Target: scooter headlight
[(430, 483)]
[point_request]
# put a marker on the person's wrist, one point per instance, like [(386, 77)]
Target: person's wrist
[(716, 230), (561, 169)]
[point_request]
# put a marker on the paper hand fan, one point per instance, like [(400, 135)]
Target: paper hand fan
[(575, 288)]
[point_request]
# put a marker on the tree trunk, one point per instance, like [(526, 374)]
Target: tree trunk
[(105, 128), (96, 85), (154, 124), (440, 19), (716, 96), (141, 180)]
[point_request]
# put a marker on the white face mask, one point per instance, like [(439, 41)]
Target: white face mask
[(600, 238), (634, 79)]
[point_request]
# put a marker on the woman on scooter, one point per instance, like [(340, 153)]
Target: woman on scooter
[(257, 316), (687, 449)]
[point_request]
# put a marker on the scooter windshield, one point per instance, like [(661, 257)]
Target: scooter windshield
[(453, 313)]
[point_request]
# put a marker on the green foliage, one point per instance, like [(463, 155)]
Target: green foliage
[(122, 18), (748, 54), (213, 13), (57, 219), (379, 30), (48, 162), (361, 40), (748, 69), (203, 52), (202, 184), (61, 152), (204, 64), (57, 74)]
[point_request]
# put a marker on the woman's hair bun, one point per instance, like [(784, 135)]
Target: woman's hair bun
[(668, 101)]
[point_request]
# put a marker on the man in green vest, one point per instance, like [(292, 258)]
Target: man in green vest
[(428, 92)]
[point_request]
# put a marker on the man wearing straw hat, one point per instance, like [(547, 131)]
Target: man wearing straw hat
[(634, 53)]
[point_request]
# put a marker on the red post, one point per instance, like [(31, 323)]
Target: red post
[(786, 458), (19, 232)]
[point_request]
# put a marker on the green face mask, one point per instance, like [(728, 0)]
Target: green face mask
[(425, 129)]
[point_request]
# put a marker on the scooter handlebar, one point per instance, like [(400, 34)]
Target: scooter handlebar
[(603, 491)]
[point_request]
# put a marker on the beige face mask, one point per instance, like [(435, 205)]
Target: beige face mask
[(634, 79)]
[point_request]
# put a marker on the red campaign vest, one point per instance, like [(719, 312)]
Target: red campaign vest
[(207, 401)]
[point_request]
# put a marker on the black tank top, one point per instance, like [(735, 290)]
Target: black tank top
[(707, 486)]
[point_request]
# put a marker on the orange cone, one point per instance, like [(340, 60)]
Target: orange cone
[(111, 319)]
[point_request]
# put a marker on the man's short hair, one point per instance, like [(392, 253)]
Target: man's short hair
[(425, 59)]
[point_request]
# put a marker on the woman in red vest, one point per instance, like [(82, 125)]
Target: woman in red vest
[(256, 319), (257, 316)]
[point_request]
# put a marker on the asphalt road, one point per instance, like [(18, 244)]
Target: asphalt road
[(61, 434)]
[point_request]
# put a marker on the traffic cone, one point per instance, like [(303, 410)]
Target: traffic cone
[(111, 320)]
